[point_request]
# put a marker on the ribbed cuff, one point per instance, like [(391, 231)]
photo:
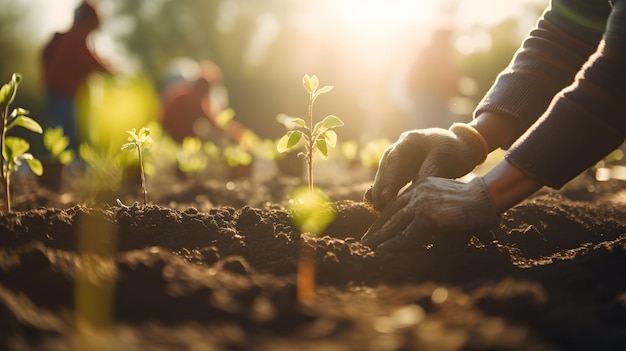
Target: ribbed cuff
[(473, 139)]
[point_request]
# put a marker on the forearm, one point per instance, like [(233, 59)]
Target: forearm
[(498, 130), (547, 61), (508, 185)]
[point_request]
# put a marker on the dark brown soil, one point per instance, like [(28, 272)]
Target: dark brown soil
[(213, 267)]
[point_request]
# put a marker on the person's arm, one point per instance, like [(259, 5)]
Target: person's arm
[(549, 58), (498, 130), (508, 186)]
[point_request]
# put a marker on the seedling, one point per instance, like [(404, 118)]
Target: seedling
[(141, 141), (190, 156), (55, 141), (14, 149), (317, 138), (310, 208)]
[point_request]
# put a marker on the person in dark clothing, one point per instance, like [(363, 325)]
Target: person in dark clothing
[(559, 107), (67, 62)]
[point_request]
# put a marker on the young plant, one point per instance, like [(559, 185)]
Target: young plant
[(190, 156), (317, 138), (140, 141), (14, 149), (56, 143), (311, 210)]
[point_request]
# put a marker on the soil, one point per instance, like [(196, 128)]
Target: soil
[(211, 265)]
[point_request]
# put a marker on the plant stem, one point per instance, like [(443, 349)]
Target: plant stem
[(311, 146), (5, 176), (7, 190), (143, 177)]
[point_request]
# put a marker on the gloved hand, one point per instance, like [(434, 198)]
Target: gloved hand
[(433, 210), (426, 152)]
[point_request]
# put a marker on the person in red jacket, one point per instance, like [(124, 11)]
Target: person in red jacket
[(67, 62), (559, 107), (189, 108)]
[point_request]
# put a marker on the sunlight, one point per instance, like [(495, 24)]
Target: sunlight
[(390, 25), (380, 17)]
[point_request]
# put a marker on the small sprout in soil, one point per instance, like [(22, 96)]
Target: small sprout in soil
[(14, 149), (237, 155), (141, 141), (191, 157), (317, 138), (55, 141), (310, 209)]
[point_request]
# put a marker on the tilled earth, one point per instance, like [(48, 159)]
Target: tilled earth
[(213, 267)]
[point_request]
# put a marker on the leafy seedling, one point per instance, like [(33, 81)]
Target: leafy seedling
[(311, 210), (316, 138), (56, 142), (14, 149), (140, 141), (190, 156)]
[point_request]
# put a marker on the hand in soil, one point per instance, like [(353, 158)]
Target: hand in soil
[(434, 210), (424, 153)]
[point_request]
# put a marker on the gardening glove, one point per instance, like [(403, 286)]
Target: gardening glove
[(441, 211), (426, 152)]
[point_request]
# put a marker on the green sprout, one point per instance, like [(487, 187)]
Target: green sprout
[(14, 149), (141, 141), (190, 156), (317, 138), (311, 210), (55, 141)]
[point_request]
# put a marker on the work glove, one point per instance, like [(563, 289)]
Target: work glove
[(438, 211), (421, 153)]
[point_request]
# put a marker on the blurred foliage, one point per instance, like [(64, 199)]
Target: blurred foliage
[(262, 50), (20, 54)]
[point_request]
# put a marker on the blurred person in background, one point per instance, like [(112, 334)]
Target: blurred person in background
[(67, 62), (432, 81), (559, 107), (192, 99)]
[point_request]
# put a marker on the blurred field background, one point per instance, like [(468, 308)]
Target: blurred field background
[(264, 47)]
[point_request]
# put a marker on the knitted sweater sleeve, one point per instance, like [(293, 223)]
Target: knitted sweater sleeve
[(567, 88)]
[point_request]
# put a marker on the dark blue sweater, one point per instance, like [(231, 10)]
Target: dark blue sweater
[(566, 86)]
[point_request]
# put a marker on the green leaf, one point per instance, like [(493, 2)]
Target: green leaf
[(132, 135), (66, 157), (289, 141), (323, 90), (34, 165), (144, 140), (8, 91), (322, 148), (16, 78), (299, 122), (5, 95), (224, 117), (310, 83), (331, 121), (128, 146), (331, 137), (16, 147), (327, 123), (191, 145), (237, 155), (19, 112), (26, 122)]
